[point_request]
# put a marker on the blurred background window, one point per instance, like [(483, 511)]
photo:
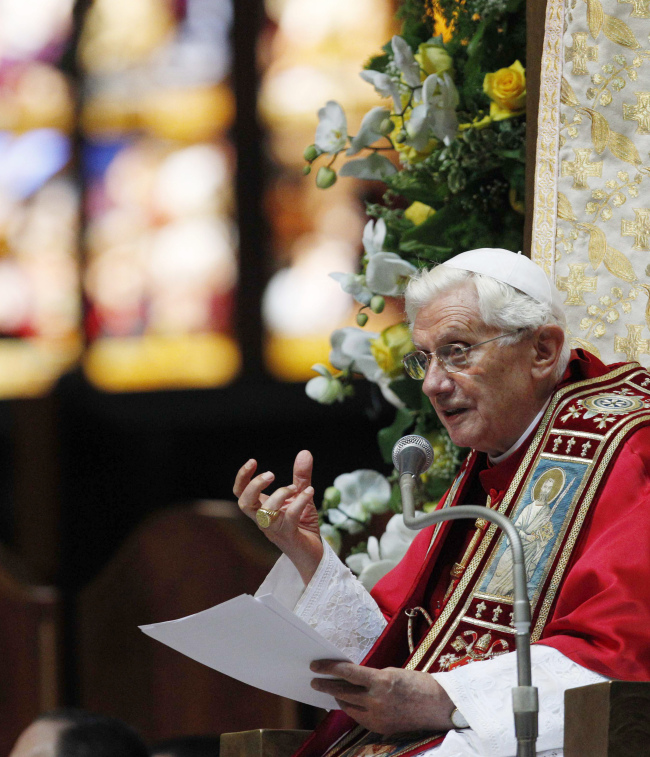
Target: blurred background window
[(310, 53), (160, 241), (118, 189), (40, 329)]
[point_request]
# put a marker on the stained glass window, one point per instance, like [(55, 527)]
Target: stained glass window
[(39, 206), (312, 52), (160, 242)]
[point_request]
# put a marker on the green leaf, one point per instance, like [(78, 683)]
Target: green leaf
[(378, 63), (409, 391), (475, 42), (388, 436)]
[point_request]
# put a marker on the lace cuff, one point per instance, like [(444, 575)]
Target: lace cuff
[(334, 603), (340, 609), (482, 691)]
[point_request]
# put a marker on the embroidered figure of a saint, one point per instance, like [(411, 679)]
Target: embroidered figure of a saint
[(535, 527)]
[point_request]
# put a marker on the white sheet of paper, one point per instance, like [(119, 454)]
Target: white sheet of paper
[(255, 640)]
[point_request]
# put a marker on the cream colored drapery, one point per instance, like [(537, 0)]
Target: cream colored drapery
[(591, 223)]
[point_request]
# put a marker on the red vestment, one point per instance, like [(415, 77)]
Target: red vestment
[(600, 618)]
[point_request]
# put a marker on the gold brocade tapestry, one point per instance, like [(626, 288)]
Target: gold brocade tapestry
[(591, 224)]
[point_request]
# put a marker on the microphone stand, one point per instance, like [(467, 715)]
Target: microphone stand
[(524, 695)]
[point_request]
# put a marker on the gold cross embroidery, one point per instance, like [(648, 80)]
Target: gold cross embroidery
[(581, 53), (576, 283), (639, 112), (632, 345), (641, 8), (581, 169), (639, 229)]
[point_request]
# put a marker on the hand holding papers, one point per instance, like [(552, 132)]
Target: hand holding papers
[(255, 640)]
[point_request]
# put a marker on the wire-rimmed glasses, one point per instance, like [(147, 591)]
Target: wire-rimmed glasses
[(452, 357)]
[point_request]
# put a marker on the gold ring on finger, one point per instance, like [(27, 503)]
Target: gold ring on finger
[(264, 517)]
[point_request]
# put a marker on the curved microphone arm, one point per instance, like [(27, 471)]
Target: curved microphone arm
[(524, 695)]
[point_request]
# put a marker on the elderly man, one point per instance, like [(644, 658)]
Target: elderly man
[(560, 443)]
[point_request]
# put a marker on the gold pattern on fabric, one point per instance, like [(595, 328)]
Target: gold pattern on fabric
[(591, 227), (586, 427)]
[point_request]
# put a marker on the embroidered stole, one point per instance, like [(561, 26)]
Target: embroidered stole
[(548, 500)]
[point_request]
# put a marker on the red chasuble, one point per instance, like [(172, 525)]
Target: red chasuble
[(578, 492)]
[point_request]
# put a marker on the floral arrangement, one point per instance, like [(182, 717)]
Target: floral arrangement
[(449, 145)]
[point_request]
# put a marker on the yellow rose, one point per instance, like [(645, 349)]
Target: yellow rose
[(418, 212), (433, 59), (507, 90), (389, 348)]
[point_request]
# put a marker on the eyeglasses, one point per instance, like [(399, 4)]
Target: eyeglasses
[(452, 357)]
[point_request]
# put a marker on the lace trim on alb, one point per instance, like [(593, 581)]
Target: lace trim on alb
[(337, 605)]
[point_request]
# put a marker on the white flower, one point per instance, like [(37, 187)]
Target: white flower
[(364, 487), (354, 284), (351, 350), (369, 131), (383, 555), (387, 273), (332, 129), (443, 109), (374, 234), (332, 536), (350, 518), (373, 167), (385, 86), (405, 61), (363, 493), (325, 390), (436, 115)]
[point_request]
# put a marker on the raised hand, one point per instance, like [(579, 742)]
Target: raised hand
[(295, 530), (386, 701)]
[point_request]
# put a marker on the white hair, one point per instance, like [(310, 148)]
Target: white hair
[(500, 305)]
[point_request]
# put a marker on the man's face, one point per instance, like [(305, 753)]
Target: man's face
[(547, 486), (489, 405), (39, 739)]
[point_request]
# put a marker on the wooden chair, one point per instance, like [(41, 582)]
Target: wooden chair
[(609, 719), (178, 562), (30, 634)]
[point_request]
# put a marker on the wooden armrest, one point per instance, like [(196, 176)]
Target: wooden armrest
[(263, 742), (610, 719)]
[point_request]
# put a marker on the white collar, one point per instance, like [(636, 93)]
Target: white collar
[(500, 458)]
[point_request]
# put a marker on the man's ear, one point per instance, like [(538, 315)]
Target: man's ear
[(547, 344)]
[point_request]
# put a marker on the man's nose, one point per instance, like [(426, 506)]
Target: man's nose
[(437, 380)]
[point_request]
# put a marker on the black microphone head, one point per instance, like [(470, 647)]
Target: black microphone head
[(412, 454)]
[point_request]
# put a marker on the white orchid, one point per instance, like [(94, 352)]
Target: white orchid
[(363, 493), (332, 129), (387, 273), (370, 131), (405, 61), (354, 284), (382, 555), (351, 350), (385, 86), (436, 115), (332, 536), (374, 236), (373, 167)]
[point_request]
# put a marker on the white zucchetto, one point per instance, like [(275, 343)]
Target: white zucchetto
[(510, 268)]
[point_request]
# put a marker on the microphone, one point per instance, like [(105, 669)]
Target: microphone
[(412, 456)]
